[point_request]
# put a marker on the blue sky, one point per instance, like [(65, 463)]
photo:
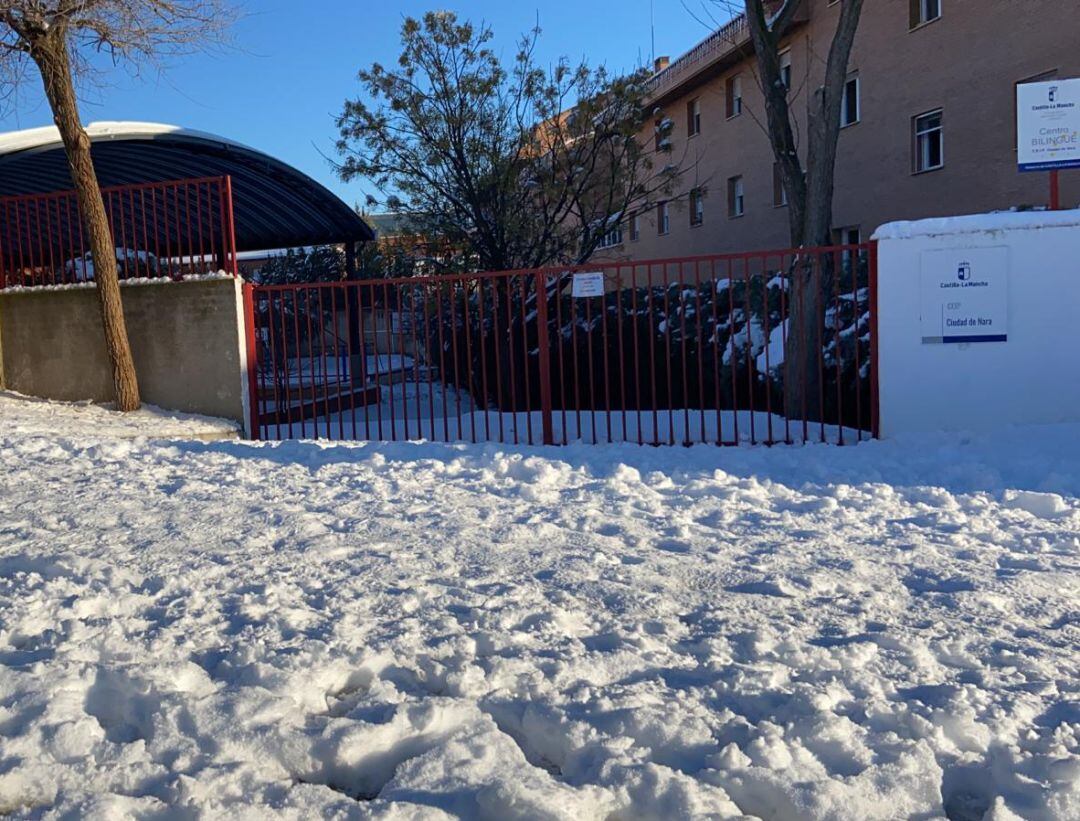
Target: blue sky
[(293, 63)]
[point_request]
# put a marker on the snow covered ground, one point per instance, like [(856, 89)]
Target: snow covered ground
[(27, 416), (192, 629)]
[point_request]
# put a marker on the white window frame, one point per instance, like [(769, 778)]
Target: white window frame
[(786, 75), (924, 13), (846, 118), (695, 116), (663, 219), (735, 89), (738, 197), (611, 239), (635, 228), (697, 208), (921, 140)]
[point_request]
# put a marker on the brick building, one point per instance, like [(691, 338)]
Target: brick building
[(929, 119)]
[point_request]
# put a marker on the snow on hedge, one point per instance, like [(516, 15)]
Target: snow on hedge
[(431, 631)]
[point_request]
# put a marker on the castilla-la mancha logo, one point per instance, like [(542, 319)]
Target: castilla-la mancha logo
[(964, 273), (1053, 94)]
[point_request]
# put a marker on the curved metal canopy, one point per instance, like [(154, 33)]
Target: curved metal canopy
[(274, 204)]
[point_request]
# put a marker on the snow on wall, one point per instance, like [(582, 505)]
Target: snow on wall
[(1032, 378)]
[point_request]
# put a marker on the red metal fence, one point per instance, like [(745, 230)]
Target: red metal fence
[(161, 229), (765, 348)]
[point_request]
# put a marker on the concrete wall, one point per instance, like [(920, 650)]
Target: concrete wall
[(1033, 377), (185, 337)]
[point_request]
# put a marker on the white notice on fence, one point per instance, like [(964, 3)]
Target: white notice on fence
[(590, 283), (965, 295)]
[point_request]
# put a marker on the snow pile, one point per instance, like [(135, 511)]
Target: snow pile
[(88, 282), (407, 631), (27, 416), (978, 223)]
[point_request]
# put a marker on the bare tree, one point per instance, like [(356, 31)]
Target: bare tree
[(809, 187), (515, 166), (54, 35)]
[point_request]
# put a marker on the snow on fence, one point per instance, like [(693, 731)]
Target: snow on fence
[(169, 229), (763, 348)]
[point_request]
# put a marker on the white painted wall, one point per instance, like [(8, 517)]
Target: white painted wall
[(1033, 378)]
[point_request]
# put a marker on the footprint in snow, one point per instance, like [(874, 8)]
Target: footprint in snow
[(763, 587)]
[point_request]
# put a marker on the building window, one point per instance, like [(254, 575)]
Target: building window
[(734, 96), (663, 221), (611, 238), (779, 196), (851, 235), (785, 69), (929, 142), (924, 11), (736, 197), (851, 104), (697, 207), (693, 117), (635, 229)]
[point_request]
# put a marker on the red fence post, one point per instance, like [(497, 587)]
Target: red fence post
[(875, 407), (230, 228), (544, 346), (247, 292)]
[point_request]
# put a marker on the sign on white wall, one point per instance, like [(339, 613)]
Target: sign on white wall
[(1048, 125), (588, 284), (964, 295)]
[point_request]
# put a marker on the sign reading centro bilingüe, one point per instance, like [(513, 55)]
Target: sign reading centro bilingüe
[(1048, 125)]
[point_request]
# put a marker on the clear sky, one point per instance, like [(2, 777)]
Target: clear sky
[(295, 61)]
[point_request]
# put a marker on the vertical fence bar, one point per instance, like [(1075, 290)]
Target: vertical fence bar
[(819, 329), (469, 379), (496, 344), (247, 293), (714, 298), (619, 322), (230, 228), (836, 271), (544, 364), (855, 323), (875, 407), (607, 359), (559, 340), (767, 330), (525, 369), (483, 357), (638, 409)]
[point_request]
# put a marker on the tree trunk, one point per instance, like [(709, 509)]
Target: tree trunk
[(810, 195), (51, 56)]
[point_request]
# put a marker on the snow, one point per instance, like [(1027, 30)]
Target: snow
[(442, 414), (35, 138), (299, 630), (978, 223), (771, 357), (27, 416), (89, 282)]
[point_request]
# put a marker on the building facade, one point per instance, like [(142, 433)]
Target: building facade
[(929, 122)]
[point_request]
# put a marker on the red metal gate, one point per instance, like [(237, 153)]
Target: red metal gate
[(706, 349), (170, 229)]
